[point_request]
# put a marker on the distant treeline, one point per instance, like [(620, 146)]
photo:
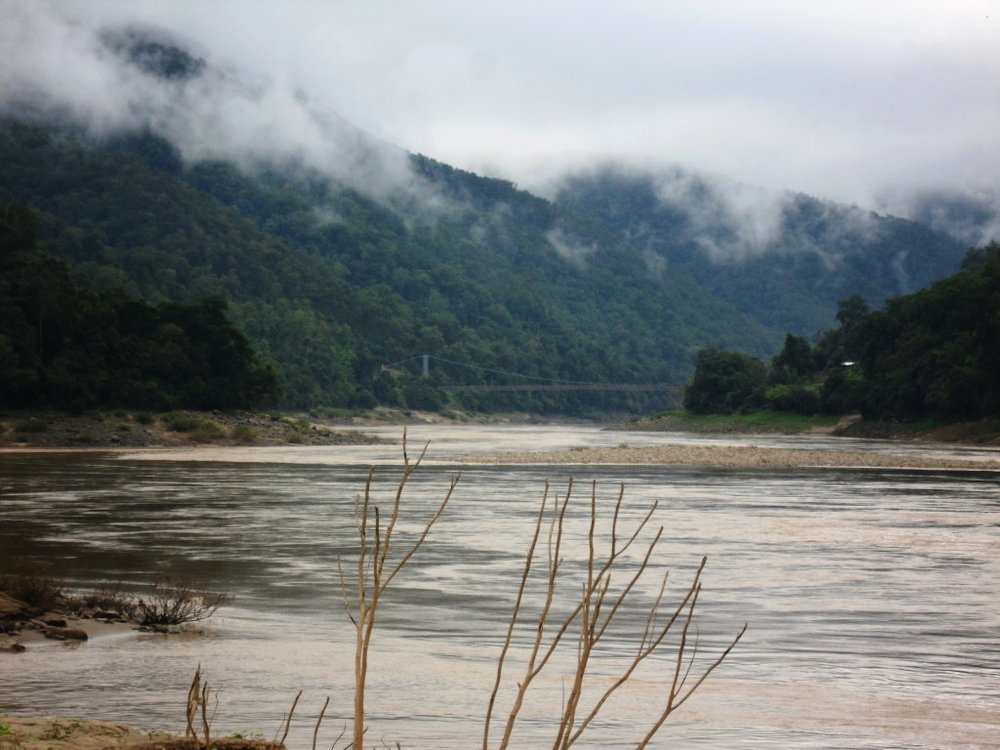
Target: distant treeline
[(340, 292), (931, 354), (65, 346)]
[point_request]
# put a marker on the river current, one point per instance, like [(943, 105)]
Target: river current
[(872, 597)]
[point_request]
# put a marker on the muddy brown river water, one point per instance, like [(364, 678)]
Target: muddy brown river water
[(872, 595)]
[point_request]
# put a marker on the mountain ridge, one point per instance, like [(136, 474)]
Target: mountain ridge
[(343, 254)]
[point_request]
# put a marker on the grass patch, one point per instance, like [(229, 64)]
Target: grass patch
[(207, 432), (244, 434), (299, 424), (332, 412), (58, 731), (198, 429), (32, 425), (178, 421)]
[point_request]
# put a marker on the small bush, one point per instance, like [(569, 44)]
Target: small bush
[(34, 587), (176, 602), (206, 432), (795, 398), (176, 421), (244, 434), (299, 424), (144, 418), (31, 425), (59, 732), (111, 598)]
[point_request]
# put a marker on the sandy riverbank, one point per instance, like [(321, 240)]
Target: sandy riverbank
[(57, 733), (125, 429), (738, 457)]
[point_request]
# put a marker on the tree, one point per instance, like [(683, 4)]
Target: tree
[(66, 346), (795, 361), (725, 382)]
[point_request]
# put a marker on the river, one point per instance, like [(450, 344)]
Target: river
[(872, 597)]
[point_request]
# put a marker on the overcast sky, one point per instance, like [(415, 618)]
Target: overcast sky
[(845, 100)]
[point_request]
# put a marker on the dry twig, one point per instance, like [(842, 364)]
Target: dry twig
[(593, 613)]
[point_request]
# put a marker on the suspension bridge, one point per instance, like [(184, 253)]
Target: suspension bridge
[(527, 382)]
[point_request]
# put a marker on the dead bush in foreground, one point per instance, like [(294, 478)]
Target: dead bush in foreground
[(111, 597), (597, 605), (177, 602), (573, 616), (33, 586)]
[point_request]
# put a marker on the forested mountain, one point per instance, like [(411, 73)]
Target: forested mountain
[(783, 259), (342, 277), (330, 284), (931, 354), (61, 345)]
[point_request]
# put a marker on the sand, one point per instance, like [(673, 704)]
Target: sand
[(54, 733), (18, 733), (737, 457)]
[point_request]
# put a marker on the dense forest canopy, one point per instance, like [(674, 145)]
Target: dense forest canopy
[(784, 259), (66, 346), (931, 354), (340, 290), (330, 284)]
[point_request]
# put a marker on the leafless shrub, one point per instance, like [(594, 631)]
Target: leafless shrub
[(176, 602), (112, 597), (594, 612), (589, 616), (375, 572), (33, 586)]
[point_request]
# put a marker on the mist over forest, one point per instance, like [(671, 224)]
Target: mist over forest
[(159, 172)]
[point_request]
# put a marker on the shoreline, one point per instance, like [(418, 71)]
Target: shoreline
[(70, 733), (115, 429), (733, 457), (62, 733), (130, 429)]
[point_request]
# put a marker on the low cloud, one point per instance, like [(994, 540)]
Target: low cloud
[(841, 101), (727, 219), (92, 73), (570, 248), (972, 215)]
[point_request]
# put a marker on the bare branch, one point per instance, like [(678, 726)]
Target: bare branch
[(515, 612), (596, 608), (288, 720), (319, 721)]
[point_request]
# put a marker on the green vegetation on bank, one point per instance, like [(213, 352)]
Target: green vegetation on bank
[(340, 292), (64, 346), (933, 355)]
